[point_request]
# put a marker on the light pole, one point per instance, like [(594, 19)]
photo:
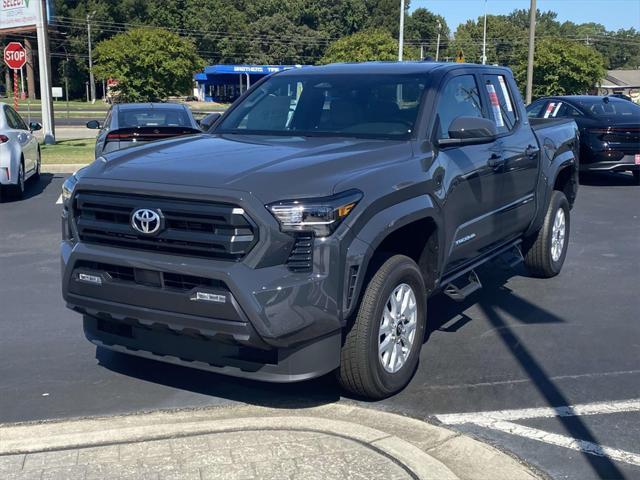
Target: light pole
[(532, 39), (401, 34), (44, 64), (484, 36), (438, 41), (91, 80)]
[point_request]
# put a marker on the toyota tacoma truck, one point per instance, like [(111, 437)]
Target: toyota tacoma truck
[(303, 234)]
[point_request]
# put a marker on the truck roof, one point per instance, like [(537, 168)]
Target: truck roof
[(381, 68)]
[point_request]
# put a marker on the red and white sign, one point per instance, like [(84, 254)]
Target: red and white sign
[(15, 56)]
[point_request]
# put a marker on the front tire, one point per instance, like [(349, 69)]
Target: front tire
[(545, 252), (382, 348)]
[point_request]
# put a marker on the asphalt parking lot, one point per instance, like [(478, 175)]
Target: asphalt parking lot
[(546, 369)]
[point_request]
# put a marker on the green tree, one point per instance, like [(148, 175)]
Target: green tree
[(149, 63), (422, 28), (562, 67), (364, 46)]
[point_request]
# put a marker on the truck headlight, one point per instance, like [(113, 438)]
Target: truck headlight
[(67, 188), (318, 215)]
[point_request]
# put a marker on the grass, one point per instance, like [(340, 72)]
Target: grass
[(69, 151)]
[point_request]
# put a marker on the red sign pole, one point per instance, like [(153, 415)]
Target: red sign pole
[(15, 90)]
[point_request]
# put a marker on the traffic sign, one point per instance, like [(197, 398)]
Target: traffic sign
[(15, 56), (460, 56)]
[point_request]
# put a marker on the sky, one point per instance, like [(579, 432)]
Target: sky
[(613, 14)]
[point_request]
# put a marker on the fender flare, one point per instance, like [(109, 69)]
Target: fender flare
[(378, 227)]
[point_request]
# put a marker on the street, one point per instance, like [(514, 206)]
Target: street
[(518, 343)]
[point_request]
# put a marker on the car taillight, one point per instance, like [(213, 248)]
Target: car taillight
[(598, 131), (119, 136), (4, 139)]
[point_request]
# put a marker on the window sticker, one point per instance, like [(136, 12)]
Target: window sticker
[(555, 111), (549, 109), (505, 93), (495, 104)]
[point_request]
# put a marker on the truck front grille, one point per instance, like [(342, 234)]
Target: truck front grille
[(193, 228)]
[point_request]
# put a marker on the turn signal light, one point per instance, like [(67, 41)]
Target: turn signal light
[(4, 139)]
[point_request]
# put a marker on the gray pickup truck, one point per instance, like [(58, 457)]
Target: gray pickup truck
[(305, 232)]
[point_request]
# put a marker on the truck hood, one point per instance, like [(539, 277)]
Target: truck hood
[(271, 168)]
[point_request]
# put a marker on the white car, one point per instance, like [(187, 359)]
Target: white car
[(19, 151)]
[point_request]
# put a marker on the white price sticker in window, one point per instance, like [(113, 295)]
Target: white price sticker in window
[(495, 104), (505, 93)]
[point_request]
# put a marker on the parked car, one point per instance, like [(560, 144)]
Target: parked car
[(609, 130), (286, 245), (130, 124), (19, 151)]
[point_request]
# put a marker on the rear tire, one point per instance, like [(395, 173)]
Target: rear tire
[(636, 177), (545, 251), (17, 191), (36, 175), (382, 348)]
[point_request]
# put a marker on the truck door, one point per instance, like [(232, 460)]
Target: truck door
[(469, 190), (517, 151)]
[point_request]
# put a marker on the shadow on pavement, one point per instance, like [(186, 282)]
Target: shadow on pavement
[(496, 297), (607, 179), (32, 188)]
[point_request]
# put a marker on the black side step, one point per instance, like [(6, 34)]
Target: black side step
[(462, 291), (512, 257)]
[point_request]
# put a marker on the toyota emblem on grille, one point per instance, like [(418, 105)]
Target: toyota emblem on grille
[(146, 221)]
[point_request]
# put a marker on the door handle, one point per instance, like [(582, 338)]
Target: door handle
[(495, 160)]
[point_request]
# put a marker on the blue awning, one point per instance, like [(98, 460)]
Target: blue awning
[(213, 71)]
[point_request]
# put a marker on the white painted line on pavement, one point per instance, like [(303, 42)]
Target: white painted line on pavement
[(59, 201), (600, 408), (502, 421), (562, 441), (528, 380)]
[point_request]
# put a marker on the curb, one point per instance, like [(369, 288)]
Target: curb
[(62, 167), (428, 451)]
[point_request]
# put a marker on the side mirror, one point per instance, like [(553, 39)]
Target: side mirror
[(470, 130), (35, 126), (207, 122), (93, 124)]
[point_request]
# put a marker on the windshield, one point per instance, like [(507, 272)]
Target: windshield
[(613, 108), (153, 117), (373, 106)]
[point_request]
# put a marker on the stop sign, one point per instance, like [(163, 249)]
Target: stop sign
[(15, 56)]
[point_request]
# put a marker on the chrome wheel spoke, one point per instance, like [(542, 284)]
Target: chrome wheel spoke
[(396, 333)]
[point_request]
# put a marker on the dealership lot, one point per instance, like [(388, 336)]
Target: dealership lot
[(519, 343)]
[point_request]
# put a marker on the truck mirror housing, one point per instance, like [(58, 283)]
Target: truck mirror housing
[(207, 122), (472, 127)]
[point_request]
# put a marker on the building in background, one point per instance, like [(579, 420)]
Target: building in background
[(621, 81), (225, 83)]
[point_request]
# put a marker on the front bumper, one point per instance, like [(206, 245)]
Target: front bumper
[(269, 324)]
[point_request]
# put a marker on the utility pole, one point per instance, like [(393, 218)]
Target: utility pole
[(532, 39), (31, 78), (484, 36), (401, 34), (422, 51), (44, 64), (438, 41), (92, 83)]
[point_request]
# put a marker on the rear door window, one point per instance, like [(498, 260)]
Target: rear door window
[(459, 98), (535, 109), (501, 102)]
